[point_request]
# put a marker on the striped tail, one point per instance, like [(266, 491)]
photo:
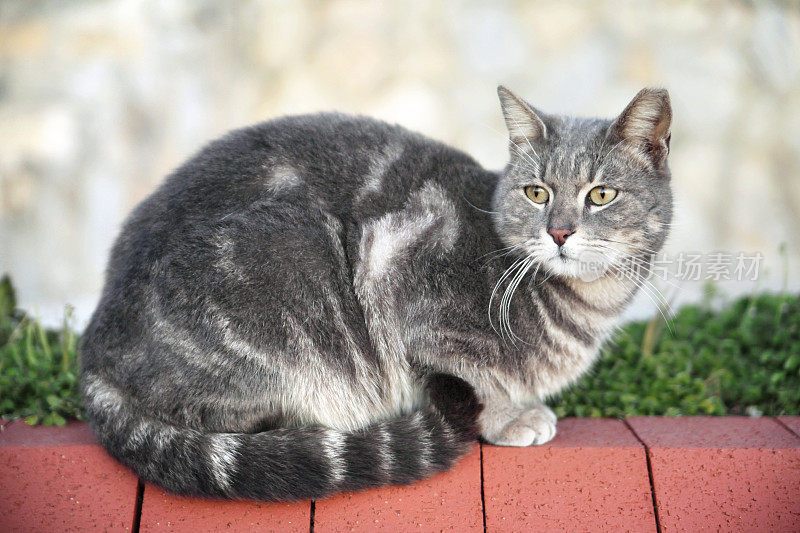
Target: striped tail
[(288, 464)]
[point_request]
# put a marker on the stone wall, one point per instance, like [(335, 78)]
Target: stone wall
[(99, 99)]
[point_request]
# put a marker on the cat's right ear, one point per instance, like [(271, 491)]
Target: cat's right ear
[(524, 125)]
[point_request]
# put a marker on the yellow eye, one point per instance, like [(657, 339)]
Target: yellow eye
[(602, 195), (537, 194)]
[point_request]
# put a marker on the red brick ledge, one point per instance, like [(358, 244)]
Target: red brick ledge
[(59, 479), (640, 474)]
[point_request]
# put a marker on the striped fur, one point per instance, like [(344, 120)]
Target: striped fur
[(290, 463), (308, 305)]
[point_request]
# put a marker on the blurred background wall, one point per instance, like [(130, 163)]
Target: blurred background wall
[(100, 99)]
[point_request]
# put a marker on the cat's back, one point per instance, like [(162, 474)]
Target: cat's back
[(351, 166), (340, 161)]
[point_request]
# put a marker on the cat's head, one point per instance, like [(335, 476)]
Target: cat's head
[(580, 195)]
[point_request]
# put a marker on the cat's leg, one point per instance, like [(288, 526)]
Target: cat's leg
[(512, 415), (506, 424)]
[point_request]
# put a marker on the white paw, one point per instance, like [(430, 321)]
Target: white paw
[(535, 426)]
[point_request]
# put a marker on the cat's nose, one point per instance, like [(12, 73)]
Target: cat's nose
[(560, 235)]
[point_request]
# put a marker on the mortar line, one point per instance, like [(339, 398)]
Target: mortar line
[(787, 428), (649, 473), (137, 510), (313, 513), (483, 496)]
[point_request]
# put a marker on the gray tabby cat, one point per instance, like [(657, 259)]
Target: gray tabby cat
[(324, 303)]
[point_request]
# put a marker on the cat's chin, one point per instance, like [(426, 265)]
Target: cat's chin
[(586, 266)]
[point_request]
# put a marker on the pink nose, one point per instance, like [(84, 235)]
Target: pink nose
[(559, 235)]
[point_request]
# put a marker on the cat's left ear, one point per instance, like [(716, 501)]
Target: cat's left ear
[(524, 125), (646, 123)]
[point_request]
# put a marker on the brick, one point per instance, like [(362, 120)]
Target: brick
[(60, 479), (729, 474), (162, 511), (18, 433), (592, 476), (449, 501), (712, 432)]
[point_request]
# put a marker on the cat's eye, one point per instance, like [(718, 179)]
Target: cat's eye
[(602, 195), (537, 194)]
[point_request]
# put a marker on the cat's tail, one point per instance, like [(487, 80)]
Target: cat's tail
[(287, 464)]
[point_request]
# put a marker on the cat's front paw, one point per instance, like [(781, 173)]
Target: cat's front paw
[(535, 426)]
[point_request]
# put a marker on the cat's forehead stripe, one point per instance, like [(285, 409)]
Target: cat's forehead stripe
[(569, 166)]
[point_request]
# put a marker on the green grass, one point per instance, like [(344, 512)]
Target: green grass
[(737, 359)]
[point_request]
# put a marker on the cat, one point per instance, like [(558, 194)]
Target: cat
[(327, 303)]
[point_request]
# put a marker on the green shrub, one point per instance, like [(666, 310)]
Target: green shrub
[(740, 359), (743, 358), (38, 367)]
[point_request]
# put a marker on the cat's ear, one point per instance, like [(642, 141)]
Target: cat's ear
[(524, 125), (645, 123)]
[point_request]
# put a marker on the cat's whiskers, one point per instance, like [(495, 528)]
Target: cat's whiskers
[(649, 290), (535, 272), (516, 123), (503, 277), (668, 224), (644, 265), (550, 274), (534, 158), (500, 255), (516, 272), (662, 304), (640, 264), (503, 311), (634, 247), (505, 303), (499, 250), (525, 158), (603, 159), (503, 252), (478, 208)]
